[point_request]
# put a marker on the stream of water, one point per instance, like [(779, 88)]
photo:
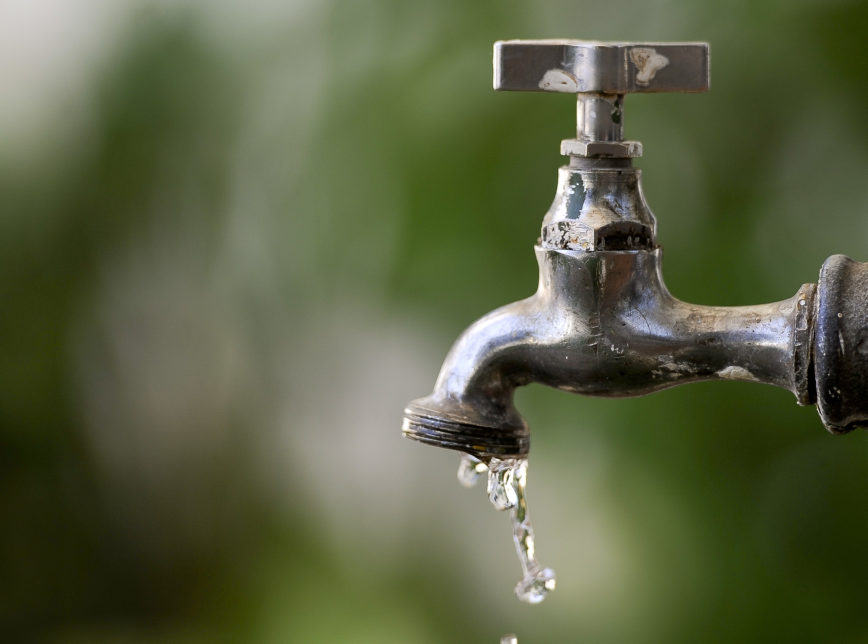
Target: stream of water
[(507, 480)]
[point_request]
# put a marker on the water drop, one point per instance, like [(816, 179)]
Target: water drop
[(534, 587), (502, 483), (470, 470)]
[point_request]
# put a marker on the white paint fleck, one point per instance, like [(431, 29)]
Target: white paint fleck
[(558, 80), (648, 62), (737, 373)]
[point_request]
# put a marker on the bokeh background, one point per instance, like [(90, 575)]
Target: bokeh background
[(238, 237)]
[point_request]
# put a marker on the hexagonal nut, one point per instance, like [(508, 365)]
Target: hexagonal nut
[(576, 235), (603, 149)]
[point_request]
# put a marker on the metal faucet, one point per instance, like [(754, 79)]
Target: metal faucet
[(602, 322)]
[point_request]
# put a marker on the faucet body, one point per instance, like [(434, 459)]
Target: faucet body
[(602, 321)]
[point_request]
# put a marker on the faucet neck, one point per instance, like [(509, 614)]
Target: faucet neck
[(599, 117), (600, 129), (599, 205)]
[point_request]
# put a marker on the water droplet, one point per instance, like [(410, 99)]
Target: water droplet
[(502, 483), (470, 470), (534, 587)]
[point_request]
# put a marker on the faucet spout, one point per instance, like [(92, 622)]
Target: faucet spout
[(471, 408), (604, 324)]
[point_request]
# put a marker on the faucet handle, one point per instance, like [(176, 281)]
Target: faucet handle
[(587, 66), (600, 73)]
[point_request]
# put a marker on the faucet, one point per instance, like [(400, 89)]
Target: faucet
[(602, 321)]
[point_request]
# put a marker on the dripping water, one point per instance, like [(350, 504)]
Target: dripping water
[(507, 480)]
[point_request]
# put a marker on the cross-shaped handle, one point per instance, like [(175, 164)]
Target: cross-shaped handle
[(600, 73), (580, 66)]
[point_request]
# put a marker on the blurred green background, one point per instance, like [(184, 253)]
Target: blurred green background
[(238, 237)]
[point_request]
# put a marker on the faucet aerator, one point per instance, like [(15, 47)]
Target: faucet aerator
[(458, 426)]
